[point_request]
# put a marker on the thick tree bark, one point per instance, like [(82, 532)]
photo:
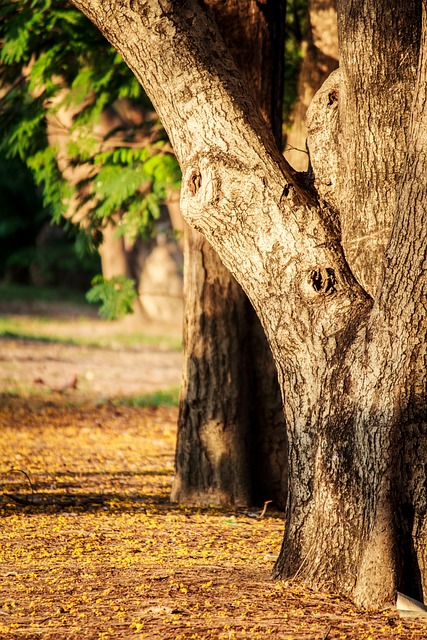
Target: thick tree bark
[(374, 103), (352, 368), (213, 454), (217, 419), (231, 444)]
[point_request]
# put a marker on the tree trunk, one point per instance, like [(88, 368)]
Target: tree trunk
[(232, 451), (374, 100), (213, 445), (223, 454), (352, 366)]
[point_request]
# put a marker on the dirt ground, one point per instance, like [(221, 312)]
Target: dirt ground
[(90, 546), (79, 370), (113, 363)]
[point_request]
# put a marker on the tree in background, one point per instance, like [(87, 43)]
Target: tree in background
[(335, 266), (71, 110), (231, 446)]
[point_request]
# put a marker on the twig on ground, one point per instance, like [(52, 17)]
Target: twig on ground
[(15, 498), (264, 509)]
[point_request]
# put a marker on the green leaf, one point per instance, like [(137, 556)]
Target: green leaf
[(42, 69), (80, 88), (56, 191), (115, 295), (48, 46)]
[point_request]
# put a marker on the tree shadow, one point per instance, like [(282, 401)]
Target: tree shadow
[(40, 499)]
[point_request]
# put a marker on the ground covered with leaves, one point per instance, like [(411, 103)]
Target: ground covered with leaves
[(90, 546)]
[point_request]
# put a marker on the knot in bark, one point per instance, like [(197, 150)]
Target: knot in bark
[(194, 182), (323, 280)]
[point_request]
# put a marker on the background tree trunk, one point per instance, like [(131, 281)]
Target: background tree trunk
[(319, 59), (231, 444)]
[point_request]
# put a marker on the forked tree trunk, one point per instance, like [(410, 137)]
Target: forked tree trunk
[(352, 367), (231, 434)]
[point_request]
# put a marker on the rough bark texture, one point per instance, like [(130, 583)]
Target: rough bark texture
[(374, 104), (212, 456), (352, 368), (217, 418), (223, 454), (254, 34)]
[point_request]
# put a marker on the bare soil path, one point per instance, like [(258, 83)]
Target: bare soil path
[(67, 348)]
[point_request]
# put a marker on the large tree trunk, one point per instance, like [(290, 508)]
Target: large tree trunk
[(230, 450), (352, 367)]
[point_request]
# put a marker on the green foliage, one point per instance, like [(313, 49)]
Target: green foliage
[(134, 181), (116, 296), (162, 398), (56, 191), (52, 57)]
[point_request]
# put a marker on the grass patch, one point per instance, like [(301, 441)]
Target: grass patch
[(161, 398), (30, 293), (42, 329), (14, 335), (65, 317)]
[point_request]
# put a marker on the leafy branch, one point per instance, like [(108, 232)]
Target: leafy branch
[(116, 296), (53, 60)]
